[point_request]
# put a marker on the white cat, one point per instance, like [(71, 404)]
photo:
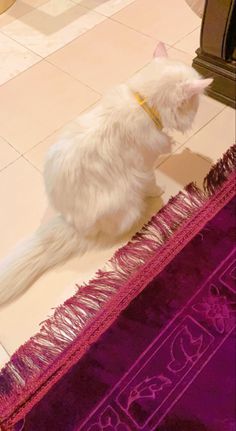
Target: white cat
[(98, 175)]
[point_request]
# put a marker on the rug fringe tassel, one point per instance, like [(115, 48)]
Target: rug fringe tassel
[(58, 332), (220, 171)]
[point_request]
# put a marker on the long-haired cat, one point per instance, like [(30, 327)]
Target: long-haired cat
[(97, 177)]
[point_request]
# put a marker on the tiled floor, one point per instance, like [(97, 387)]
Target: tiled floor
[(56, 59)]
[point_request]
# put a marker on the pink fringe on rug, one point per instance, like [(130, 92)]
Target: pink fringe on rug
[(24, 380), (220, 172)]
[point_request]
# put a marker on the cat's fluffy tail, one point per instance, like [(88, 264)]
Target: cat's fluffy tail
[(50, 245)]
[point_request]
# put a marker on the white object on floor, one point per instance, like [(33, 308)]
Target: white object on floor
[(4, 357)]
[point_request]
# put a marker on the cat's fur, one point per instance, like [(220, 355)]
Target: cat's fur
[(97, 176)]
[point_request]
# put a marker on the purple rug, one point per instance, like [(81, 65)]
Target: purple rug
[(155, 350)]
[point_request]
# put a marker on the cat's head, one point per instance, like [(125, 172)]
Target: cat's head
[(171, 87)]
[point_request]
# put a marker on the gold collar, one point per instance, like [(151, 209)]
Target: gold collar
[(154, 115)]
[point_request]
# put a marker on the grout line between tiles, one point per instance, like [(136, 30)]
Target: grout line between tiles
[(136, 31), (183, 145), (82, 82), (72, 76), (18, 42), (107, 16), (131, 28), (24, 154), (20, 73), (148, 35), (178, 147), (45, 59), (202, 127), (56, 67), (12, 146), (179, 40), (16, 160), (41, 58), (11, 163), (39, 55), (33, 166), (180, 51), (155, 39)]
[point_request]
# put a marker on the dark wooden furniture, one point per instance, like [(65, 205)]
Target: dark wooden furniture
[(216, 56)]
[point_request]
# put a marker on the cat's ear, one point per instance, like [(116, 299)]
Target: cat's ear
[(196, 86), (160, 50)]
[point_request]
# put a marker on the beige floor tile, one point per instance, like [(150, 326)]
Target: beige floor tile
[(23, 203), (7, 154), (180, 169), (52, 25), (177, 54), (216, 137), (159, 19), (56, 8), (18, 9), (208, 109), (4, 356), (35, 3), (46, 99), (15, 58), (90, 4), (105, 7), (105, 56), (190, 43)]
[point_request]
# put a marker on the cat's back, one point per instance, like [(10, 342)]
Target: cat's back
[(90, 136)]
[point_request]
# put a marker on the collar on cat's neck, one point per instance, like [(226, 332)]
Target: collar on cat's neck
[(153, 114)]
